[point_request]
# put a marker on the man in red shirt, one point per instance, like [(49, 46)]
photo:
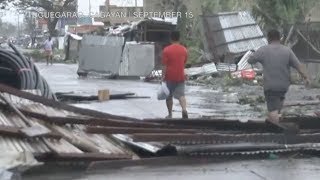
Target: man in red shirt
[(174, 58)]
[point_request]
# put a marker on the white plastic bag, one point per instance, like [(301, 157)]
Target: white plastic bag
[(163, 92)]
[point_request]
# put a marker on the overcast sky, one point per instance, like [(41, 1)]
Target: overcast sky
[(83, 5)]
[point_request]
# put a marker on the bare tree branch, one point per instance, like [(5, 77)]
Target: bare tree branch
[(257, 8), (309, 43), (289, 35), (45, 5)]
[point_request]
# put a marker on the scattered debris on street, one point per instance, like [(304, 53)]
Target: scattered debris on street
[(71, 97)]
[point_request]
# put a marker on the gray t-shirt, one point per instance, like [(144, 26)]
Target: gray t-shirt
[(276, 60)]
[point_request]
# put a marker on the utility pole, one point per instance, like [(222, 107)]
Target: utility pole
[(90, 8), (18, 24)]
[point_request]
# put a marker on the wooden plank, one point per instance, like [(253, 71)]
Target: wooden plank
[(31, 130), (103, 95), (77, 141), (16, 132), (11, 131), (93, 121)]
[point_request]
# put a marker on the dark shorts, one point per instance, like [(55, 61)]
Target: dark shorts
[(176, 89), (275, 100)]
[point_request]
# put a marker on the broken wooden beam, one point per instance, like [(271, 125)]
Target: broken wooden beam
[(32, 130), (77, 140), (11, 131), (16, 132), (93, 121), (121, 130), (219, 124)]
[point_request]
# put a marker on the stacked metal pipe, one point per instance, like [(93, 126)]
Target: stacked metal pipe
[(18, 71)]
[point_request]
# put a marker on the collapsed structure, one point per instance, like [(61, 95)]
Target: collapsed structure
[(77, 134), (128, 50), (228, 35)]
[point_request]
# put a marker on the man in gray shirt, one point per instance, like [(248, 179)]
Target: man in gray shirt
[(276, 60)]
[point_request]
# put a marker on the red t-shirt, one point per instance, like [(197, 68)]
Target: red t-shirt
[(175, 57)]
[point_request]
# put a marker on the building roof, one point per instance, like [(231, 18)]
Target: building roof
[(86, 20), (231, 33), (26, 151)]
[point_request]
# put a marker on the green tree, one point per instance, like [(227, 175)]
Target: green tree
[(7, 29), (183, 24), (282, 13), (49, 6), (29, 23)]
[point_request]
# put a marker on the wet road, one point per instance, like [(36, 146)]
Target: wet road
[(63, 78), (283, 169), (247, 170)]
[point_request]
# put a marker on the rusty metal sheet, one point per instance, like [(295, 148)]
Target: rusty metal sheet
[(228, 138), (43, 147), (127, 130), (231, 33)]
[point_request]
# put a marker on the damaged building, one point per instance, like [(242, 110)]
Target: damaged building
[(228, 35), (116, 53)]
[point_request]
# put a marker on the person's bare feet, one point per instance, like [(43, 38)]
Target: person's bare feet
[(317, 113)]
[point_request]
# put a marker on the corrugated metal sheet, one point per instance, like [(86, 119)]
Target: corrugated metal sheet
[(235, 19), (243, 46), (209, 69), (206, 69), (102, 40), (195, 71), (106, 146), (100, 54), (243, 63), (232, 33), (43, 146), (242, 33), (138, 59), (147, 146), (225, 67)]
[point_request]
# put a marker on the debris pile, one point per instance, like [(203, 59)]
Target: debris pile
[(71, 97), (77, 134), (63, 141)]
